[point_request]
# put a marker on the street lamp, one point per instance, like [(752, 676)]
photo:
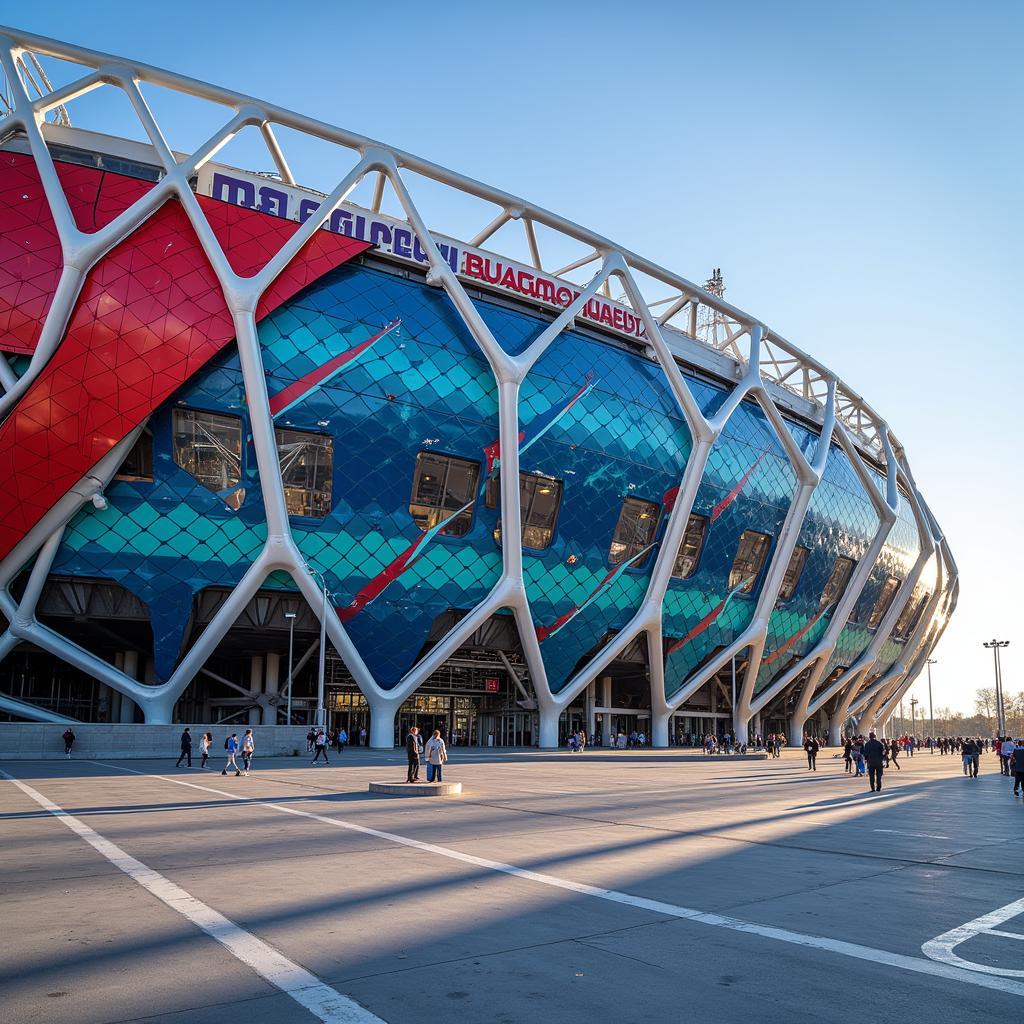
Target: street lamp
[(931, 710), (320, 710), (290, 616), (1000, 714), (913, 717)]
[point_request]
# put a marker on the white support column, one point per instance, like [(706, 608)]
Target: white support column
[(130, 661), (606, 718), (271, 684), (589, 698), (255, 684), (549, 716), (382, 722)]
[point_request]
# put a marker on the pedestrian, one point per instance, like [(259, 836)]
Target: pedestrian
[(232, 749), (858, 755), (970, 752), (362, 736), (1017, 766), (310, 739), (848, 755), (186, 748), (412, 753), (342, 740), (436, 756), (1005, 753), (320, 746), (874, 755), (69, 741), (248, 749), (811, 746), (204, 746), (894, 751)]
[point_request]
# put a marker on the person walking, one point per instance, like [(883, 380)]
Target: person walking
[(874, 754), (310, 739), (69, 741), (1005, 753), (848, 755), (1017, 766), (204, 746), (436, 756), (248, 749), (342, 740), (232, 749), (412, 753), (320, 746), (811, 746), (186, 748), (894, 750), (971, 753), (362, 736)]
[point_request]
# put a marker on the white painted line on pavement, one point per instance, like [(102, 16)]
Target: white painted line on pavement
[(837, 946), (941, 947), (306, 989)]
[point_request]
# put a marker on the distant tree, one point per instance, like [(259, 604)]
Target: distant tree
[(985, 703)]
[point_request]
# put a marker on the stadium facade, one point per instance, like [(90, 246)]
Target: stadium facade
[(518, 500)]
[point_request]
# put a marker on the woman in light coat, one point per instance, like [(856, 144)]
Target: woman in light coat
[(436, 756)]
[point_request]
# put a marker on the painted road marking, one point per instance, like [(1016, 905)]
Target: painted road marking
[(306, 989), (837, 946), (941, 947)]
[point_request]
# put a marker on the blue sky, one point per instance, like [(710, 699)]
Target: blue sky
[(855, 171)]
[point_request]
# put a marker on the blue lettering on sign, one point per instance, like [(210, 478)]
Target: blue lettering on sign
[(276, 201)]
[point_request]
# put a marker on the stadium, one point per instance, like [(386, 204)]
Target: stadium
[(273, 454)]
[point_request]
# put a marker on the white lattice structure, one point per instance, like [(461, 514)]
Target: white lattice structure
[(766, 368)]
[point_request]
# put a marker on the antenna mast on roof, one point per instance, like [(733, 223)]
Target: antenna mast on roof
[(715, 328)]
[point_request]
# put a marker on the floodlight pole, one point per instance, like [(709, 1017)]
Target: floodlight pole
[(931, 709), (290, 616), (1000, 715)]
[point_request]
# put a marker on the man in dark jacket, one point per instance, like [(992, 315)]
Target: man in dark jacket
[(412, 752), (1017, 766), (186, 749), (812, 747), (874, 755)]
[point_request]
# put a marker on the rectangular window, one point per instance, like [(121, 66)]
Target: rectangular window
[(209, 446), (793, 573), (306, 471), (634, 531), (138, 463), (749, 560), (441, 486), (909, 618), (690, 548), (836, 584), (884, 602), (539, 500)]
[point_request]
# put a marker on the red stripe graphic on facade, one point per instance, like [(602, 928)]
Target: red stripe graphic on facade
[(708, 619), (294, 393), (735, 492), (795, 637)]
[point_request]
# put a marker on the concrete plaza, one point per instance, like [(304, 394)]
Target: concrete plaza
[(630, 886)]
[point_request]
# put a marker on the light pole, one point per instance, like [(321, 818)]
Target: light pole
[(290, 616), (913, 717), (931, 710), (1000, 716)]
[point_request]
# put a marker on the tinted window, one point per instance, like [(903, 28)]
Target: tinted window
[(749, 560), (209, 446), (634, 531), (793, 573), (138, 463), (909, 618), (884, 601), (441, 486), (306, 470), (836, 584), (539, 499), (690, 548)]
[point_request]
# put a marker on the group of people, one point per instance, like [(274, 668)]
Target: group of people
[(233, 748), (434, 752)]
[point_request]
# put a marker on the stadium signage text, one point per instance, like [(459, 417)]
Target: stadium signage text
[(396, 238)]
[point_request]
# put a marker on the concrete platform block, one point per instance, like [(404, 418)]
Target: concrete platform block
[(417, 788)]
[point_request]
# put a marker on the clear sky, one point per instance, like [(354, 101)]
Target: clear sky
[(855, 169)]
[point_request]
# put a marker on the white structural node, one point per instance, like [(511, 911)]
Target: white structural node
[(684, 325)]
